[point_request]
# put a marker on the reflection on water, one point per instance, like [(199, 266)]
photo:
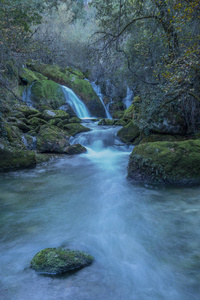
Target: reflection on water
[(145, 241)]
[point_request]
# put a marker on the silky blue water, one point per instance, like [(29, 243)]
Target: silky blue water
[(145, 240), (76, 104), (97, 90)]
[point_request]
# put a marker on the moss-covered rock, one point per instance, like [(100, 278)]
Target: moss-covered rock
[(129, 112), (54, 261), (75, 120), (52, 140), (47, 92), (118, 114), (55, 114), (22, 126), (13, 135), (75, 149), (121, 122), (42, 158), (166, 162), (35, 122), (128, 133), (74, 128), (27, 76), (15, 159), (107, 122), (27, 110)]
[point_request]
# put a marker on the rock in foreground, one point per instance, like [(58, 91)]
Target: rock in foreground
[(176, 163), (54, 261)]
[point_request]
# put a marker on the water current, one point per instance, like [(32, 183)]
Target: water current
[(145, 240)]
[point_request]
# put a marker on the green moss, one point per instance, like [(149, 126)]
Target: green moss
[(15, 159), (128, 113), (47, 92), (129, 132), (107, 122), (27, 76), (166, 162), (118, 114), (53, 261), (75, 149), (75, 120), (27, 110), (34, 122), (51, 139), (55, 114), (74, 80), (74, 128)]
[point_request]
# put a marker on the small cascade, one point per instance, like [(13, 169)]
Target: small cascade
[(129, 97), (27, 96), (97, 90), (76, 104)]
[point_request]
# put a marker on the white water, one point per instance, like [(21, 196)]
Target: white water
[(97, 90), (145, 241), (76, 104), (27, 95), (129, 97)]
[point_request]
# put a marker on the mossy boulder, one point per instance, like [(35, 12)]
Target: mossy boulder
[(14, 159), (118, 114), (54, 261), (52, 140), (22, 126), (67, 108), (129, 112), (176, 163), (27, 76), (27, 110), (13, 135), (128, 133), (75, 120), (107, 122), (74, 128), (55, 114), (47, 92), (121, 122), (35, 122), (75, 149)]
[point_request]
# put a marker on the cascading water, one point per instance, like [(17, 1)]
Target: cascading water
[(97, 90), (145, 241), (27, 95), (129, 97), (76, 104)]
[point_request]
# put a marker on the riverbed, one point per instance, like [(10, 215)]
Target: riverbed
[(145, 240)]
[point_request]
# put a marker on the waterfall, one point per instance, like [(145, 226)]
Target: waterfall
[(97, 90), (76, 104), (129, 97), (27, 95)]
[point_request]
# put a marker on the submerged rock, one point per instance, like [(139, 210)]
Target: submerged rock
[(176, 163), (54, 261), (75, 149), (74, 128)]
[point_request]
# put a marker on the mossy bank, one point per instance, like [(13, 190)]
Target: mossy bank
[(172, 163)]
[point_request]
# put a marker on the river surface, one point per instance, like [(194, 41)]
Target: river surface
[(145, 240)]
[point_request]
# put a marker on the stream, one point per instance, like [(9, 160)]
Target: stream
[(145, 240)]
